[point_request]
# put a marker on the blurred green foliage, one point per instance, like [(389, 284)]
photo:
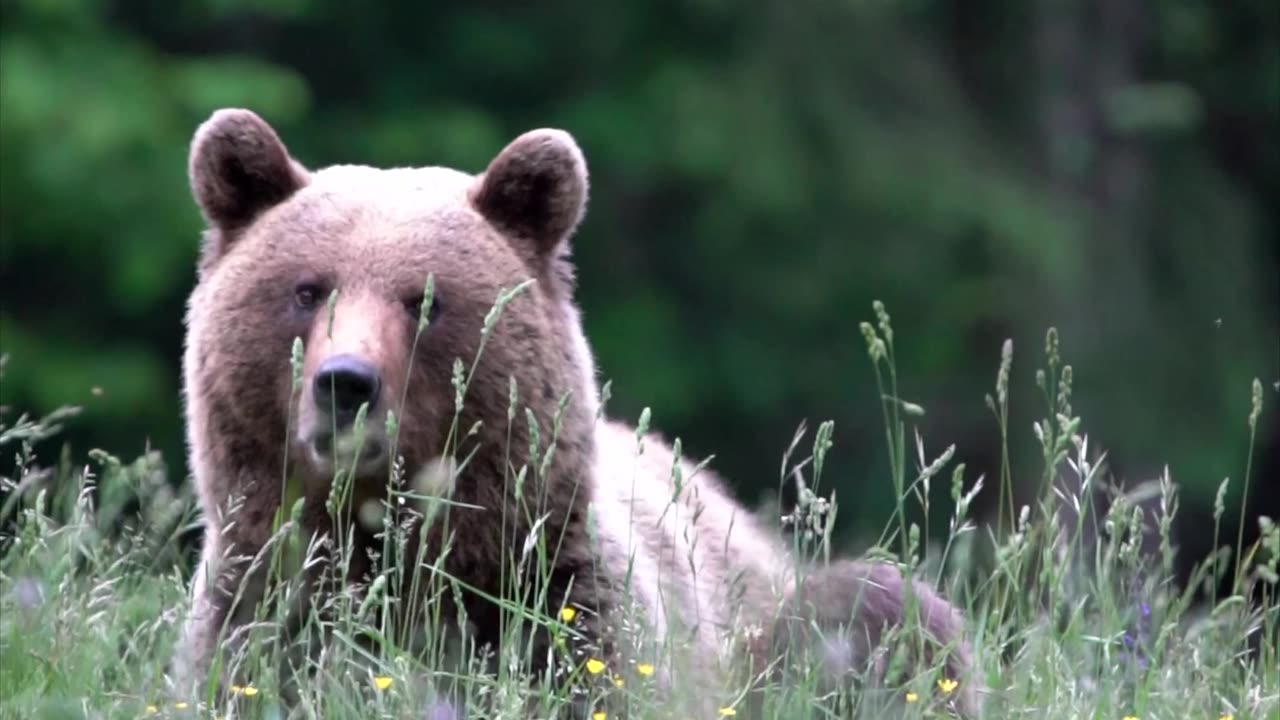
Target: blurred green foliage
[(760, 172)]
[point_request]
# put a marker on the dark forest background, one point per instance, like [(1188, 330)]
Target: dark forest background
[(761, 171)]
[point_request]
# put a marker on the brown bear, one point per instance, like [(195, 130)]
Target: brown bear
[(505, 396)]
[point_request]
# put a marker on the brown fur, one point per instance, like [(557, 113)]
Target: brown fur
[(840, 619), (688, 556)]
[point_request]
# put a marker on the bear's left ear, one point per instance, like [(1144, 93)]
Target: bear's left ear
[(536, 188)]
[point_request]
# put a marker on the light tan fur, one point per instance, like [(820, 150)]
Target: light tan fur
[(707, 577), (705, 570)]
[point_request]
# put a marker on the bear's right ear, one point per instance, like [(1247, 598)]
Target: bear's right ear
[(238, 168)]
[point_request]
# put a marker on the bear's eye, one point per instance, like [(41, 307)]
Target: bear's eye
[(307, 295), (413, 306)]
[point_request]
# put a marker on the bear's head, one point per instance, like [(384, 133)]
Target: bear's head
[(340, 258)]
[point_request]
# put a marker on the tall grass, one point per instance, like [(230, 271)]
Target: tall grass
[(1070, 601)]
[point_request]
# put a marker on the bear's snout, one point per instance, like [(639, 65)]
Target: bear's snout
[(342, 384)]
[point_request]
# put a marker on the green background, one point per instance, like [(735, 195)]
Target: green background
[(761, 171)]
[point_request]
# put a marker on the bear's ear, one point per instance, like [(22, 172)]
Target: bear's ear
[(239, 167), (536, 189)]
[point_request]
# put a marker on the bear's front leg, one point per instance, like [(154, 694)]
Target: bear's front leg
[(227, 588)]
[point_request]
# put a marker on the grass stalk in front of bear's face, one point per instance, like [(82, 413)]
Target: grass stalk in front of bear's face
[(424, 322), (449, 447)]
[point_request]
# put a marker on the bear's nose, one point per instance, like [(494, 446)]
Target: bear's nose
[(344, 383)]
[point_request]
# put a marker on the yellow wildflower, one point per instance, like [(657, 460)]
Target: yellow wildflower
[(1226, 716), (246, 690), (382, 682), (568, 614), (180, 705), (1130, 717), (599, 715), (152, 709), (727, 712), (595, 667), (644, 669), (912, 697), (946, 685), (618, 682)]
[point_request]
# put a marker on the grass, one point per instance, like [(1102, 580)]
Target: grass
[(1069, 598)]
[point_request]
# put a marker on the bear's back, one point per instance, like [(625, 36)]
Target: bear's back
[(700, 564)]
